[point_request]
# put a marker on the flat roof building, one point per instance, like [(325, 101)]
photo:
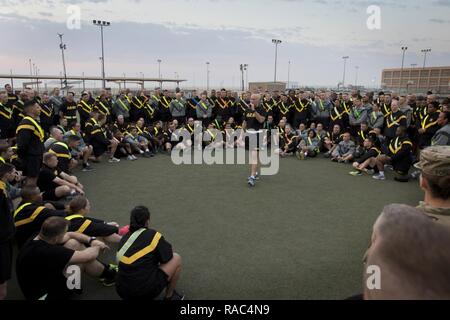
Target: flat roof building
[(417, 80)]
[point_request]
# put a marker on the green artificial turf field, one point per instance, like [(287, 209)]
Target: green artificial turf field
[(300, 234)]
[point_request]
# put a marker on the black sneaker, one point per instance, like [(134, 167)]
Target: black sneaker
[(175, 296), (87, 168), (110, 279)]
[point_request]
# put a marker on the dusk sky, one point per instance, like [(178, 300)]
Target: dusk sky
[(185, 34)]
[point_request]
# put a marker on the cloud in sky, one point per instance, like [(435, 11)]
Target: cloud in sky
[(187, 33)]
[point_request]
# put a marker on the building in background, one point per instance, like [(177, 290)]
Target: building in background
[(270, 86), (417, 80)]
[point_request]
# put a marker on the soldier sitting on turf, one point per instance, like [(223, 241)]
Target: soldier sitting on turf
[(331, 142), (367, 162), (32, 206), (42, 263), (399, 155), (344, 150), (289, 143), (56, 185), (79, 208), (309, 147), (147, 264)]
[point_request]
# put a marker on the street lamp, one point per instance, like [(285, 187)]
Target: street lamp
[(276, 42), (289, 73), (243, 67), (102, 24), (425, 51), (207, 76), (63, 47), (159, 68), (401, 72), (345, 64)]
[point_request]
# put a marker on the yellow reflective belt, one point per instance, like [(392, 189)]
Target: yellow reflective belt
[(37, 130), (284, 109), (224, 105), (425, 125), (377, 150), (321, 108), (104, 107), (166, 105), (73, 216), (20, 208), (394, 122), (303, 106), (211, 134), (148, 249), (346, 109), (85, 224), (361, 134), (2, 160), (149, 107), (338, 115), (123, 105), (46, 111), (61, 155), (388, 112), (245, 104), (301, 109), (204, 106), (3, 188), (87, 108), (139, 102), (7, 116), (31, 218)]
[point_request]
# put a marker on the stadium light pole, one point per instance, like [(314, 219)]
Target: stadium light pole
[(276, 42), (63, 47), (345, 65), (289, 74), (102, 24), (401, 70), (159, 68), (425, 51), (246, 76), (243, 67), (207, 76)]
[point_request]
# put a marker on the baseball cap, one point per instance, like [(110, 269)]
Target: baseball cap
[(435, 161)]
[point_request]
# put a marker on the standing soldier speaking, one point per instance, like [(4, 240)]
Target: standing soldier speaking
[(254, 121)]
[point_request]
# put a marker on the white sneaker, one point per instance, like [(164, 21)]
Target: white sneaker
[(379, 177), (133, 157), (130, 158), (113, 159)]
